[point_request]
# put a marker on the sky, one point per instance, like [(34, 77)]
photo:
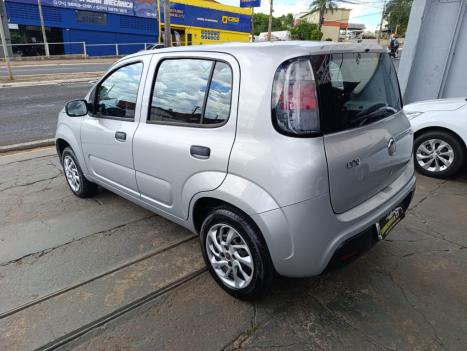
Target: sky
[(367, 12)]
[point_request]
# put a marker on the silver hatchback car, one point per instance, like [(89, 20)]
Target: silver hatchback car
[(286, 157)]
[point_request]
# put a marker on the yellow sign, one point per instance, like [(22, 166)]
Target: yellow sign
[(228, 19)]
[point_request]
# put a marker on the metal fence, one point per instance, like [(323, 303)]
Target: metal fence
[(76, 48), (83, 49)]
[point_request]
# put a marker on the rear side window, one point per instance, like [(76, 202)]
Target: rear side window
[(294, 101), (191, 92), (355, 89), (220, 93)]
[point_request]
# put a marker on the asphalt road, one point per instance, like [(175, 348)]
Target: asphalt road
[(30, 113), (55, 69), (104, 274)]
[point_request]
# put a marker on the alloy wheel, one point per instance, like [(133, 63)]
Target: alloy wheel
[(434, 155), (71, 173), (230, 256)]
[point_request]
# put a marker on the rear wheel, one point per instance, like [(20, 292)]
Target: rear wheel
[(75, 178), (235, 253), (438, 154)]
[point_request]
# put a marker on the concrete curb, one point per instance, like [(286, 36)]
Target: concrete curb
[(49, 82), (26, 146)]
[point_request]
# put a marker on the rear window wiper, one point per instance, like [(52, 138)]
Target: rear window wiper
[(383, 111)]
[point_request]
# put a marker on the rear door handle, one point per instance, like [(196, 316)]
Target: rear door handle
[(201, 152), (120, 136)]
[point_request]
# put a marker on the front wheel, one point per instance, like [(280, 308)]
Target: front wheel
[(438, 154), (75, 178), (235, 253)]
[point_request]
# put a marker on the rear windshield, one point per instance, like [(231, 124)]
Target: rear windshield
[(355, 89)]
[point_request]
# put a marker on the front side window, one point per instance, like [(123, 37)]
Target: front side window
[(191, 91), (117, 94), (355, 89)]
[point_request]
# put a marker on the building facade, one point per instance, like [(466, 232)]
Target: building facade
[(334, 22), (101, 24), (433, 60)]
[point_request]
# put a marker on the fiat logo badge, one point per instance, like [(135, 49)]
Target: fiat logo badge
[(391, 147)]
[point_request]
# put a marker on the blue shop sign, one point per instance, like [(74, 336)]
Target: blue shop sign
[(187, 15), (140, 8), (250, 3)]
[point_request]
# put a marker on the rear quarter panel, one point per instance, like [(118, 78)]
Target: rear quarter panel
[(289, 169)]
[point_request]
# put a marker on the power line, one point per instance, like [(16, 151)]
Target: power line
[(364, 4), (346, 19)]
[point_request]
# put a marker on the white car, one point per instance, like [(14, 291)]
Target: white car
[(440, 128)]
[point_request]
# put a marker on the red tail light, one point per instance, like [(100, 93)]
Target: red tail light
[(294, 99)]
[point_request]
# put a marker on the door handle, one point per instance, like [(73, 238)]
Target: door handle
[(201, 152), (120, 136)]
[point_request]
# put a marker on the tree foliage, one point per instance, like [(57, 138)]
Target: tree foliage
[(306, 31), (321, 6), (302, 31), (397, 15), (261, 20)]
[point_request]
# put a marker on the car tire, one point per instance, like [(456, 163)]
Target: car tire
[(438, 154), (235, 253), (74, 176)]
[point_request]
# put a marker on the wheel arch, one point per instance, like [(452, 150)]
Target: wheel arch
[(235, 191), (441, 129), (60, 145), (65, 137), (204, 205)]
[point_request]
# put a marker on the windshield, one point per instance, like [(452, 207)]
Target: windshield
[(355, 89)]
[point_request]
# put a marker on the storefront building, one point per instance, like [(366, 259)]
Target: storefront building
[(335, 22), (130, 23)]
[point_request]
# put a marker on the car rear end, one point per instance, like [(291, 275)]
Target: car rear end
[(351, 102)]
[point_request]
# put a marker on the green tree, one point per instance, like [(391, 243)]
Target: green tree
[(321, 6), (17, 37), (260, 22), (306, 31), (397, 15)]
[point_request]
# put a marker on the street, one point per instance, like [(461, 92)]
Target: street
[(30, 113), (31, 69), (105, 274)]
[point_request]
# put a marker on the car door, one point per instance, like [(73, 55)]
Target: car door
[(107, 131), (184, 144)]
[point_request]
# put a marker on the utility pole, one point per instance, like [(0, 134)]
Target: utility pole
[(252, 24), (167, 32), (270, 20), (381, 23), (44, 36), (5, 49), (159, 35), (6, 29)]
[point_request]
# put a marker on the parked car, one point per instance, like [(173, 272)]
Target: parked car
[(440, 128), (285, 157)]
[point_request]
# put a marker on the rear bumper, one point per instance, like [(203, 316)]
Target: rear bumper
[(317, 235), (360, 243)]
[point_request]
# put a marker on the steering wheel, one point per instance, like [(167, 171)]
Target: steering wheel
[(361, 117), (370, 109)]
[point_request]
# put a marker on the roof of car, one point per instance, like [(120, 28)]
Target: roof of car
[(276, 48)]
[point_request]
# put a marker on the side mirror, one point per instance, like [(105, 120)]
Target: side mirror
[(76, 108)]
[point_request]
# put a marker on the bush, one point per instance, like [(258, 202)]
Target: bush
[(306, 31)]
